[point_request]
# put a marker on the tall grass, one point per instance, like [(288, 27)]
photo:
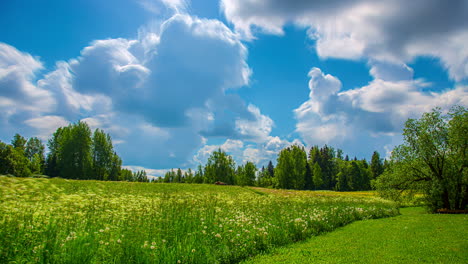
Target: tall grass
[(65, 221)]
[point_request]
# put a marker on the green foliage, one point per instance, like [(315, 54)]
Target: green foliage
[(75, 161), (102, 153), (220, 167), (245, 175), (265, 179), (34, 152), (432, 160), (126, 175), (317, 175), (376, 165), (13, 161), (68, 221), (19, 142), (290, 170), (76, 153), (199, 175)]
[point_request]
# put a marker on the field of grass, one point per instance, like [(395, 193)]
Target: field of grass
[(66, 221), (412, 237)]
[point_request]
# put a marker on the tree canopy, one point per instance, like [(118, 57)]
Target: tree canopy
[(432, 160)]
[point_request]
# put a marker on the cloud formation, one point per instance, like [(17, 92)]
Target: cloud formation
[(345, 118), (389, 30), (159, 96)]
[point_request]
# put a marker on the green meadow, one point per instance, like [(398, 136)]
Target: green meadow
[(412, 237), (69, 221)]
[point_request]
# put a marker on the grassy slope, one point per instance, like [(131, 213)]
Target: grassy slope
[(413, 237)]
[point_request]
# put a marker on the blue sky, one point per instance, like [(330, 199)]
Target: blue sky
[(173, 80)]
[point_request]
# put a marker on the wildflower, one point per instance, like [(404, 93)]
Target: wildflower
[(119, 241), (101, 242), (218, 235), (152, 247), (193, 250), (164, 241)]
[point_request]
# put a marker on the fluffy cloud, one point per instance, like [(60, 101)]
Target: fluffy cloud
[(166, 93), (373, 113), (389, 30), (19, 95), (159, 96), (46, 125), (257, 129)]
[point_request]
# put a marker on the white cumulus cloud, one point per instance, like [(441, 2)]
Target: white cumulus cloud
[(388, 30)]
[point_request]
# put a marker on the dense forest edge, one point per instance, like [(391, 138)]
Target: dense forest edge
[(431, 162)]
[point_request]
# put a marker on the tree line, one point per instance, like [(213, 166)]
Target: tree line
[(321, 169), (74, 153)]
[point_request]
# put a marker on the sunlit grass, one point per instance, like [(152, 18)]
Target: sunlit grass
[(413, 237), (65, 221)]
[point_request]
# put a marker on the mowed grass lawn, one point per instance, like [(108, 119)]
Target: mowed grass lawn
[(412, 237)]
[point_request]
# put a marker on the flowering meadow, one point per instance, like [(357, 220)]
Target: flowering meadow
[(67, 221)]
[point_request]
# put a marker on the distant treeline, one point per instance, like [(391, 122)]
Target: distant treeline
[(74, 153), (321, 169), (77, 153)]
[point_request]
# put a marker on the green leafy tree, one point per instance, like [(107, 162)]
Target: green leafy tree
[(34, 151), (53, 158), (271, 169), (19, 142), (284, 167), (178, 177), (290, 170), (199, 176), (188, 175), (376, 166), (317, 175), (354, 176), (75, 160), (309, 182), (103, 156), (432, 160), (169, 176), (343, 176), (220, 167), (115, 167), (246, 174), (141, 176), (13, 161), (327, 164), (126, 175), (299, 158)]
